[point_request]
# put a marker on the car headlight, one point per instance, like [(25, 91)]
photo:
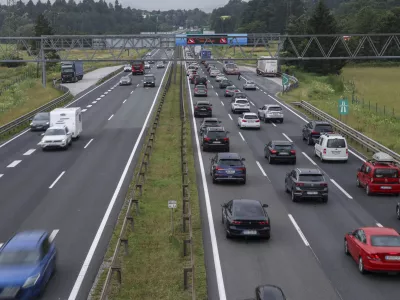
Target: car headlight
[(47, 123), (31, 124), (64, 140), (31, 281)]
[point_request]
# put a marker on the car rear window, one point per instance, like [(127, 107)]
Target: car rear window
[(311, 177), (386, 173), (283, 147), (275, 108), (242, 101), (230, 162), (336, 143), (385, 241), (251, 117), (216, 134), (209, 123), (324, 128), (203, 104), (248, 210)]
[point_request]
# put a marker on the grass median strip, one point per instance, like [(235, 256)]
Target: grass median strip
[(153, 269)]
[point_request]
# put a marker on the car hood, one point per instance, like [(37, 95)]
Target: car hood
[(53, 138), (15, 275), (40, 122)]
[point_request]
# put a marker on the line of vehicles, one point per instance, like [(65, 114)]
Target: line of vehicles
[(374, 249)]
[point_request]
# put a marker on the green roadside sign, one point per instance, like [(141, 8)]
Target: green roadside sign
[(285, 80), (194, 32), (343, 106)]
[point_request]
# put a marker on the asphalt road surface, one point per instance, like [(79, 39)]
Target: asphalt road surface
[(77, 194), (305, 254)]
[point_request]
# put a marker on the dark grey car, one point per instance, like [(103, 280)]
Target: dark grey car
[(126, 80), (40, 121), (280, 151), (149, 80), (200, 90), (304, 183)]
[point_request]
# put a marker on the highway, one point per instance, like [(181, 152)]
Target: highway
[(305, 254), (77, 194)]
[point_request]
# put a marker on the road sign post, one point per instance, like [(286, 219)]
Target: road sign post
[(172, 206), (285, 81), (343, 107)]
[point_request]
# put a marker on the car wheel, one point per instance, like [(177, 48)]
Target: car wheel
[(294, 198), (293, 161), (346, 248), (268, 236), (204, 149), (309, 140), (358, 182), (222, 218), (281, 120), (270, 161), (213, 180), (304, 138), (265, 154), (315, 153), (228, 235), (244, 181), (367, 190), (265, 119), (286, 188), (398, 212), (361, 266), (325, 199)]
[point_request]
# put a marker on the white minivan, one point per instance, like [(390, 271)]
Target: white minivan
[(331, 146)]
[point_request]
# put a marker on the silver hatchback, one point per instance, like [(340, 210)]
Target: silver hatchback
[(249, 85)]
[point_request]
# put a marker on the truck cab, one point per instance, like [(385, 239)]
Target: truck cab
[(71, 71)]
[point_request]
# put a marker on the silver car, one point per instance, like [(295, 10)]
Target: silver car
[(249, 85), (126, 80)]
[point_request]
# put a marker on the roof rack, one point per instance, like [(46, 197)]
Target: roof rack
[(382, 158), (331, 134)]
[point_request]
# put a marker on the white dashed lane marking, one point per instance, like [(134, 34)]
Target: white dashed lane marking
[(14, 164), (94, 102), (29, 152), (102, 96), (89, 106), (83, 110)]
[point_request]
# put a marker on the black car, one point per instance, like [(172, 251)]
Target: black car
[(209, 122), (149, 80), (200, 80), (228, 167), (215, 138), (398, 211), (203, 109), (269, 292), (306, 183), (225, 83), (200, 90), (40, 121), (280, 151), (312, 131), (244, 217)]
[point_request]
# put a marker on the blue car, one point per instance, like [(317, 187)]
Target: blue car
[(228, 167), (27, 262)]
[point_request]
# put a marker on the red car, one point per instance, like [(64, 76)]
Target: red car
[(375, 249)]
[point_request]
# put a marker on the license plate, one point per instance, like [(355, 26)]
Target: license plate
[(250, 232), (230, 172), (392, 257), (386, 187), (217, 142), (312, 193), (283, 153), (336, 152), (9, 292), (251, 121), (203, 109)]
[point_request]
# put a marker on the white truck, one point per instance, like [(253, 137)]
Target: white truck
[(267, 67), (70, 117)]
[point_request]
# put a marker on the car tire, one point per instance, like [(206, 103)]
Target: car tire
[(398, 212), (358, 184), (204, 149), (265, 154), (228, 236), (286, 188), (293, 161), (294, 198), (270, 160), (244, 181), (368, 191), (309, 140), (214, 181), (346, 247), (361, 266), (281, 120), (321, 158)]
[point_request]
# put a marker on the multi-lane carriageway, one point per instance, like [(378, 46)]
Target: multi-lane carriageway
[(77, 194), (305, 254)]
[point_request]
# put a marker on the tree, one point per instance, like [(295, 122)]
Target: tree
[(42, 27)]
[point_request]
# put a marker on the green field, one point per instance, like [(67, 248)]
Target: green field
[(154, 267), (376, 86)]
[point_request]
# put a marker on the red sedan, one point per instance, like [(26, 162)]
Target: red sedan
[(375, 249)]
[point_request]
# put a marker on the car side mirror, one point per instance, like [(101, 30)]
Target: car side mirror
[(265, 205)]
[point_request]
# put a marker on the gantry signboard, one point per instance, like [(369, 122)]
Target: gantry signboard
[(211, 39)]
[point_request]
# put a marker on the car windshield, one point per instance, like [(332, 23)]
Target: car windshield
[(242, 101), (41, 117), (230, 162), (9, 258), (67, 70), (136, 65), (311, 177), (148, 77), (250, 82), (125, 78), (336, 143), (283, 147), (248, 210), (251, 117), (55, 132), (385, 240), (324, 128), (386, 173), (275, 108), (216, 134), (231, 66)]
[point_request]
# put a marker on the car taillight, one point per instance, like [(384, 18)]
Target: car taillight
[(324, 184), (263, 223), (292, 151), (208, 108), (347, 152), (196, 107), (273, 151), (226, 139), (299, 184), (218, 168), (257, 121), (236, 222), (314, 132), (373, 257), (196, 89), (241, 169), (206, 139), (244, 120), (324, 151)]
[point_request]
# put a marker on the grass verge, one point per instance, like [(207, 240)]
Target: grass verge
[(154, 267), (325, 91)]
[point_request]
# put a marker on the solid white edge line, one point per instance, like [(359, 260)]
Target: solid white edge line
[(242, 136), (297, 227), (379, 224), (1, 175), (124, 101), (131, 92), (341, 189), (287, 137), (309, 158), (96, 240), (29, 152), (69, 104), (53, 234), (273, 124), (230, 117), (87, 145), (214, 245), (105, 93), (14, 164), (110, 117), (252, 103), (109, 91), (222, 103), (57, 179)]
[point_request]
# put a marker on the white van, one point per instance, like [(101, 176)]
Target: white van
[(331, 146), (70, 117)]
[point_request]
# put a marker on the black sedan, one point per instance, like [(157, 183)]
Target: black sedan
[(40, 121), (248, 218), (269, 292), (280, 151)]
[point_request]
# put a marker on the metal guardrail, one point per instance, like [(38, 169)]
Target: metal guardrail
[(369, 144), (133, 198)]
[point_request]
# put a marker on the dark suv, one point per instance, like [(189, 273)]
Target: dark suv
[(312, 131), (225, 83), (306, 183), (203, 109), (215, 138), (149, 80), (200, 80), (209, 122), (228, 167), (280, 151)]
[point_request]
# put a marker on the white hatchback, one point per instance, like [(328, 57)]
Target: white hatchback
[(331, 146), (249, 120), (214, 73)]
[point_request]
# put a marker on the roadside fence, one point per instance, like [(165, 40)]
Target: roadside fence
[(114, 273)]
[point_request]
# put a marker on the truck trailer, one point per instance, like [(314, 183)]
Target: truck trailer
[(71, 117), (71, 71), (267, 67)]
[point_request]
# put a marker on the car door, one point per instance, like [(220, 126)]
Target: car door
[(45, 261), (227, 214), (214, 161), (318, 145), (358, 244), (267, 148)]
